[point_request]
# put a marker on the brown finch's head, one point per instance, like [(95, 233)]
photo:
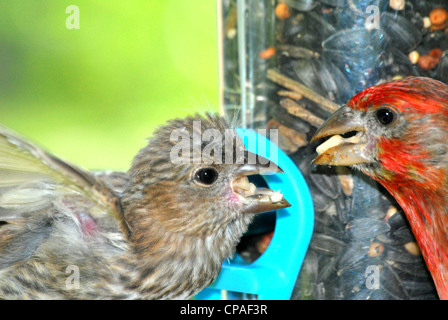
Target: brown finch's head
[(192, 178), (189, 202)]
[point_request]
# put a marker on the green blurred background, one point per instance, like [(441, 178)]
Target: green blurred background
[(93, 95)]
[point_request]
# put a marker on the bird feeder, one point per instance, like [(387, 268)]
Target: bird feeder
[(287, 66)]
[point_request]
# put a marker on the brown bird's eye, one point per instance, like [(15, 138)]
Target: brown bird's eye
[(385, 116), (206, 176)]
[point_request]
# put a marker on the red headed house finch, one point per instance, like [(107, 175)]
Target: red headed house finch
[(397, 133), (163, 235)]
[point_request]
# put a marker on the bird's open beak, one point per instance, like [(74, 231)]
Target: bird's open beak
[(257, 200), (347, 144)]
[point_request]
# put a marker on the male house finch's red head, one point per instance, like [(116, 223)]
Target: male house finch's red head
[(164, 235), (397, 133)]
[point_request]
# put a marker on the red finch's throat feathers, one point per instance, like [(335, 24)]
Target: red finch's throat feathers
[(427, 214)]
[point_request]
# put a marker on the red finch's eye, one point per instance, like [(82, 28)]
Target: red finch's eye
[(206, 176), (385, 116)]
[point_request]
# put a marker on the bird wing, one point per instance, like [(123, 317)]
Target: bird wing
[(114, 180), (32, 180)]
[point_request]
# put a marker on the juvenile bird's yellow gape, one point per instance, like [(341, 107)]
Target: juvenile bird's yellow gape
[(160, 231)]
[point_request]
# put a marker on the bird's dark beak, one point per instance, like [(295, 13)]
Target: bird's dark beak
[(257, 200), (255, 164), (347, 144)]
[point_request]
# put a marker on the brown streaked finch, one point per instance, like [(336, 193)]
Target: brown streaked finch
[(159, 231)]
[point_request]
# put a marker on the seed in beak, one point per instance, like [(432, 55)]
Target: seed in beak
[(337, 140), (276, 196), (243, 187)]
